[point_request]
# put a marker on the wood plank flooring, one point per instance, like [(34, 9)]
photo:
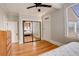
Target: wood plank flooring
[(29, 38), (32, 49)]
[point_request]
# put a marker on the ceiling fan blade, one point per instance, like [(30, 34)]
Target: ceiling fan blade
[(45, 5), (37, 3), (31, 7)]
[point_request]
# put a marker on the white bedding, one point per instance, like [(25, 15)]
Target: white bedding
[(71, 49), (28, 31)]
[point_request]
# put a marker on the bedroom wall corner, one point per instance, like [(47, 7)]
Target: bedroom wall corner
[(58, 25), (55, 42)]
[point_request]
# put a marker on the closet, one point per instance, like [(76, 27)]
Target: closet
[(31, 31), (5, 43)]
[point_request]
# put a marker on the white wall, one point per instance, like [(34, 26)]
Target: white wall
[(3, 20), (55, 31), (12, 17), (58, 26), (12, 26), (58, 23), (46, 27)]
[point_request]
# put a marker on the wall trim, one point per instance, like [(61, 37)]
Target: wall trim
[(55, 42), (21, 42)]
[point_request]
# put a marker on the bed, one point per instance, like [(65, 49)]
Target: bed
[(27, 32), (70, 49)]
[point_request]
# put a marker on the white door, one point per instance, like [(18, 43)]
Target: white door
[(46, 28), (12, 26)]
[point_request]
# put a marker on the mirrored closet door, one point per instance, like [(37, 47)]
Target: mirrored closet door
[(31, 31)]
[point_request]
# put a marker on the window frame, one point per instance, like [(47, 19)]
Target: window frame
[(66, 23)]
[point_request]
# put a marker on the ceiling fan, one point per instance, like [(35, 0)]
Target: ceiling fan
[(39, 5)]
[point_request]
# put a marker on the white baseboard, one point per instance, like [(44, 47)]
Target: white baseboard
[(21, 43), (55, 42), (14, 41)]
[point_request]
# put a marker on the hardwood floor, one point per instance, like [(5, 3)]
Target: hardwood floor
[(32, 49), (29, 38)]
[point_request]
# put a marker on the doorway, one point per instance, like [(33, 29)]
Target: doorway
[(46, 25), (13, 27), (31, 31)]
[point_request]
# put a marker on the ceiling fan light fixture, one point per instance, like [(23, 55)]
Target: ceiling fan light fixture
[(39, 10), (39, 5)]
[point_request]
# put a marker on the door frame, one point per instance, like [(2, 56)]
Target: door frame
[(17, 33), (32, 31)]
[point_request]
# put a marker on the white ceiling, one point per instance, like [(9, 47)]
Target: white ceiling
[(20, 8)]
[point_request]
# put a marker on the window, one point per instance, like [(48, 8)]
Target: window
[(78, 26), (75, 8), (71, 29), (73, 22)]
